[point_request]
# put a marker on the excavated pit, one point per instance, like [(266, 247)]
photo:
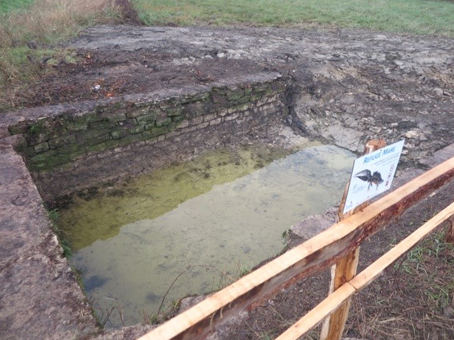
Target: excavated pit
[(141, 98)]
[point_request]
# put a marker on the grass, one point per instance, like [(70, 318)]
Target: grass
[(54, 215), (411, 299), (7, 6), (28, 29), (410, 16)]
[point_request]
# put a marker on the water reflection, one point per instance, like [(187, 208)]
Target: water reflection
[(212, 238)]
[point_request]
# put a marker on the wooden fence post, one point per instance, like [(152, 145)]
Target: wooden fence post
[(344, 270), (450, 231)]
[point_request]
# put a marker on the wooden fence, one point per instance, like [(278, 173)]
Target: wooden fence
[(313, 256)]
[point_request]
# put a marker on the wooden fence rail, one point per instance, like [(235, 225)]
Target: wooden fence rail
[(313, 256), (333, 301)]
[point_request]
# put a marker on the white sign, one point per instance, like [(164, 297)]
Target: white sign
[(372, 174)]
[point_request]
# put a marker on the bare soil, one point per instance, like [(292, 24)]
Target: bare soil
[(413, 299), (110, 73), (348, 86)]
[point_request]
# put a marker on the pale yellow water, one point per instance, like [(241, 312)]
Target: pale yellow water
[(132, 244)]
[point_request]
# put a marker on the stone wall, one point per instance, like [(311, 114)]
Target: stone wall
[(74, 147)]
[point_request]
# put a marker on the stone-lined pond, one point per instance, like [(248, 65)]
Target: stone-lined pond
[(194, 227)]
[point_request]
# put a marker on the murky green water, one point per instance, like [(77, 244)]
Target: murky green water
[(181, 228)]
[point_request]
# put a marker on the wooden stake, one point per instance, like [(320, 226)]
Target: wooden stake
[(346, 268), (450, 232), (340, 296)]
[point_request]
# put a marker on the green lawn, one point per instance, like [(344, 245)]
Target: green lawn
[(7, 6), (409, 16)]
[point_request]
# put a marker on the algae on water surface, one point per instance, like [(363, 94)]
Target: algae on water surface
[(212, 236), (146, 197)]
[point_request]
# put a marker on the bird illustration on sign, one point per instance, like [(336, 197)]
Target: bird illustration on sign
[(371, 178)]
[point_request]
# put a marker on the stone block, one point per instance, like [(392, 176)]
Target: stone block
[(136, 129), (41, 158), (239, 108), (60, 141), (91, 117), (155, 132), (261, 88), (77, 127), (200, 97), (203, 125), (172, 134), (101, 125), (236, 94), (197, 121), (223, 112), (243, 100), (118, 134), (146, 119), (177, 119), (147, 135), (195, 110), (219, 99), (130, 139), (41, 147), (158, 131), (216, 121), (138, 112), (101, 146), (78, 154), (83, 136), (92, 137), (47, 161), (163, 120), (69, 149), (183, 124), (171, 127), (231, 116), (118, 117), (209, 117), (175, 111), (57, 160), (36, 138), (189, 129), (220, 90)]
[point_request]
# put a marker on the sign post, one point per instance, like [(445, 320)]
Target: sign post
[(372, 174), (366, 182)]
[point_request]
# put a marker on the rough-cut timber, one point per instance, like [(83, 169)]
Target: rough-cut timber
[(346, 268), (450, 232), (312, 256), (344, 293)]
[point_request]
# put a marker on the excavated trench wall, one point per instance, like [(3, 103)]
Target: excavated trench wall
[(72, 147)]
